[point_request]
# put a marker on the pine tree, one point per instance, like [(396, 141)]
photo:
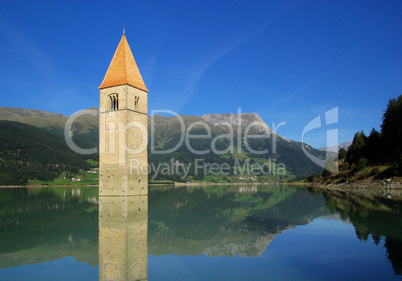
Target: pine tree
[(391, 130)]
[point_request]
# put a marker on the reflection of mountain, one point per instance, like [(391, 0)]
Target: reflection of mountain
[(219, 221), (380, 218), (39, 225), (82, 249)]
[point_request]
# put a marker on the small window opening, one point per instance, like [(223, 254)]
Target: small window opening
[(136, 99), (114, 102)]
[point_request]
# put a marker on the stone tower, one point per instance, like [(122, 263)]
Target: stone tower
[(123, 123)]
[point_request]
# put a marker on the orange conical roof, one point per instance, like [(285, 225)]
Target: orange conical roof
[(123, 69)]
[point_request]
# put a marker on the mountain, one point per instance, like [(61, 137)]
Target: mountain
[(244, 119), (166, 132), (85, 128), (11, 113), (28, 152), (227, 132), (335, 148)]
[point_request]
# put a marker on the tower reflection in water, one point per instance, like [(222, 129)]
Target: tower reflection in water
[(123, 229)]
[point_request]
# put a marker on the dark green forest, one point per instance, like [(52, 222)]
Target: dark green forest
[(377, 156), (32, 152), (288, 153), (28, 152), (384, 147)]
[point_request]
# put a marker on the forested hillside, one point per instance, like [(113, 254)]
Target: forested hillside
[(165, 133), (27, 152), (384, 147), (376, 156)]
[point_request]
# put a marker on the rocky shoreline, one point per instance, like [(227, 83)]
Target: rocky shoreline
[(376, 188)]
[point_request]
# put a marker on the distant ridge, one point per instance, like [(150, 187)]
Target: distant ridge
[(84, 129), (10, 113), (167, 132), (335, 148), (246, 119)]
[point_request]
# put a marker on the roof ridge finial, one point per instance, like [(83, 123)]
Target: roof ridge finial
[(124, 29)]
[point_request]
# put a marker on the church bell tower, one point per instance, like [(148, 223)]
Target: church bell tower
[(123, 123)]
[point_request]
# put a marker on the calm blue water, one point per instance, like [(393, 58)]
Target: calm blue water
[(211, 233)]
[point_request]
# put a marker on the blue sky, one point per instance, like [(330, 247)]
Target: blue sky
[(285, 60)]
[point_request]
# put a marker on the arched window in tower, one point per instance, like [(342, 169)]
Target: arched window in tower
[(136, 99), (114, 102)]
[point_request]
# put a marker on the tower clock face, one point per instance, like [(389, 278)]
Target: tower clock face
[(136, 271), (111, 121), (111, 271)]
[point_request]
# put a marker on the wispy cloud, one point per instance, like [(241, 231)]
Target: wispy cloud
[(28, 50), (49, 85), (325, 74), (199, 71)]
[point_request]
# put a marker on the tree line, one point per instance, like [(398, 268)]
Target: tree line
[(27, 152), (382, 147)]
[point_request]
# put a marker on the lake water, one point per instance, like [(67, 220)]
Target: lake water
[(198, 233)]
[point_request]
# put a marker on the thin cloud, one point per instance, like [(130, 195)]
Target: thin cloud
[(199, 72), (320, 77), (36, 57)]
